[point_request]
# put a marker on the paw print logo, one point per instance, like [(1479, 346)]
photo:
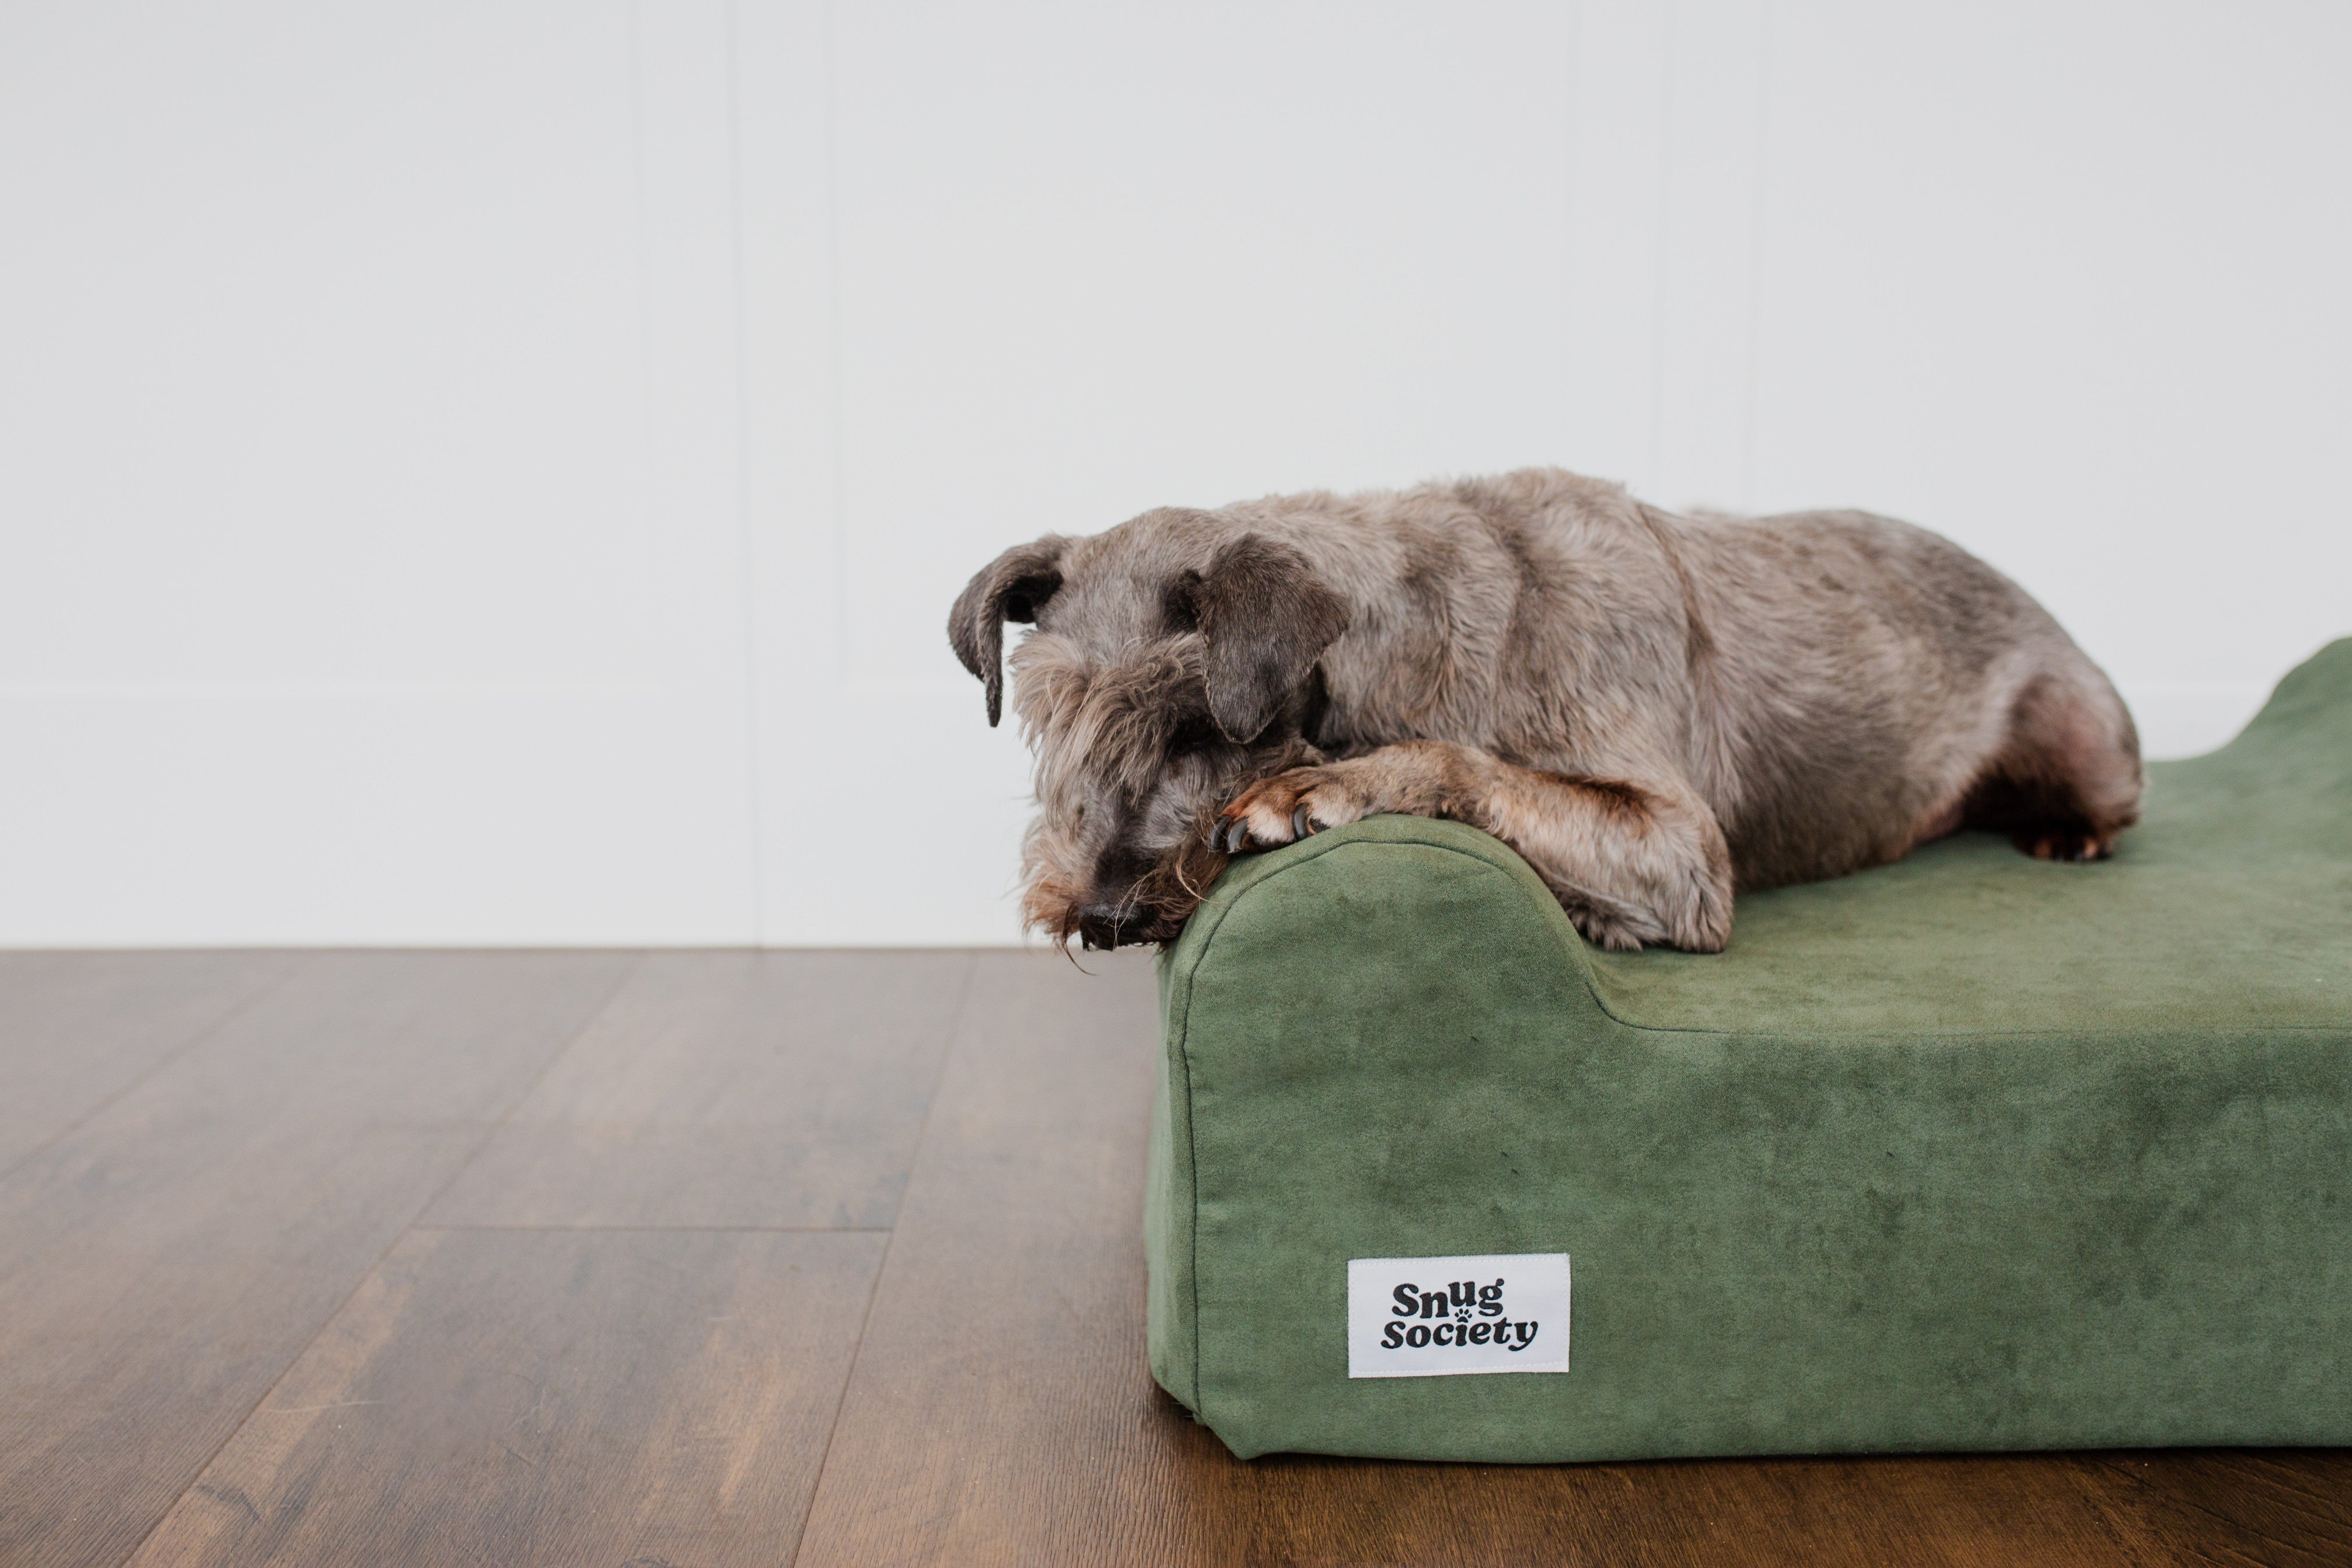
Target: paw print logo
[(1461, 1314)]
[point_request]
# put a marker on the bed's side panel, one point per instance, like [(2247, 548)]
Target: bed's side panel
[(1382, 1045)]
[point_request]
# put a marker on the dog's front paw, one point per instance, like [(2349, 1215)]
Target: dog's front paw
[(1288, 807)]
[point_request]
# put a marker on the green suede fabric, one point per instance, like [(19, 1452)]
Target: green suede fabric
[(1968, 1152)]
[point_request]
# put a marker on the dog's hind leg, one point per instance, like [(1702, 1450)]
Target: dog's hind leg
[(2067, 778), (1632, 863)]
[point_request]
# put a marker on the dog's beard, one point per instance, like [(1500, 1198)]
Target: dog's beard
[(1153, 910)]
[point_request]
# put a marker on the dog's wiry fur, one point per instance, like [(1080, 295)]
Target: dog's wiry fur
[(1654, 709)]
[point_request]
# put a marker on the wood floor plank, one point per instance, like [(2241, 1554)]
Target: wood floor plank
[(547, 1397), (1000, 1411), (2284, 1508), (760, 1089), (995, 1413), (162, 1264), (1974, 1511), (76, 1027)]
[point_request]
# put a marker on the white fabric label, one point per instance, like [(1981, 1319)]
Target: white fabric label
[(1434, 1317)]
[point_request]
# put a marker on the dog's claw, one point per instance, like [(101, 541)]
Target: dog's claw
[(1230, 836), (1299, 826)]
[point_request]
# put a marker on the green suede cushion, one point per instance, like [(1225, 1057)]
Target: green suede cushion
[(1969, 1151)]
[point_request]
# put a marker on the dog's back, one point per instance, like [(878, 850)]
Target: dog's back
[(1864, 685), (1837, 687)]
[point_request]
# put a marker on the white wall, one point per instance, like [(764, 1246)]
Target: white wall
[(495, 472)]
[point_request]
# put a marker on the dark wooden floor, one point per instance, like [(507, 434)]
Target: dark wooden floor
[(684, 1259)]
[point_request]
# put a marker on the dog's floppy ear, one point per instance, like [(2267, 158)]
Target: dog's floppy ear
[(1012, 587), (1265, 619)]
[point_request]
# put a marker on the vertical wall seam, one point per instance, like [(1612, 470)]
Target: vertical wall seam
[(1662, 244), (749, 555), (1756, 259), (1571, 167), (829, 65), (632, 24)]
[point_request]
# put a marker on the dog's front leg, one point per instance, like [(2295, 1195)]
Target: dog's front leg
[(1632, 862)]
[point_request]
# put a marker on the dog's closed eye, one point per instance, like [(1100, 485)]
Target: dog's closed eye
[(1194, 734)]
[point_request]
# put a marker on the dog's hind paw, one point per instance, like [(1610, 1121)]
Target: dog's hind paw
[(2064, 845)]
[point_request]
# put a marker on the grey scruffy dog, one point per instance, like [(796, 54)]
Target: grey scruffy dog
[(1655, 709)]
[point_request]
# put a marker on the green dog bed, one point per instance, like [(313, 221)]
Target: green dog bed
[(1969, 1151)]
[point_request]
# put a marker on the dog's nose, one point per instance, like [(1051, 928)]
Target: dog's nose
[(1099, 925)]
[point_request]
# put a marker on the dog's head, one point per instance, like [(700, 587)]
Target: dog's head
[(1172, 662)]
